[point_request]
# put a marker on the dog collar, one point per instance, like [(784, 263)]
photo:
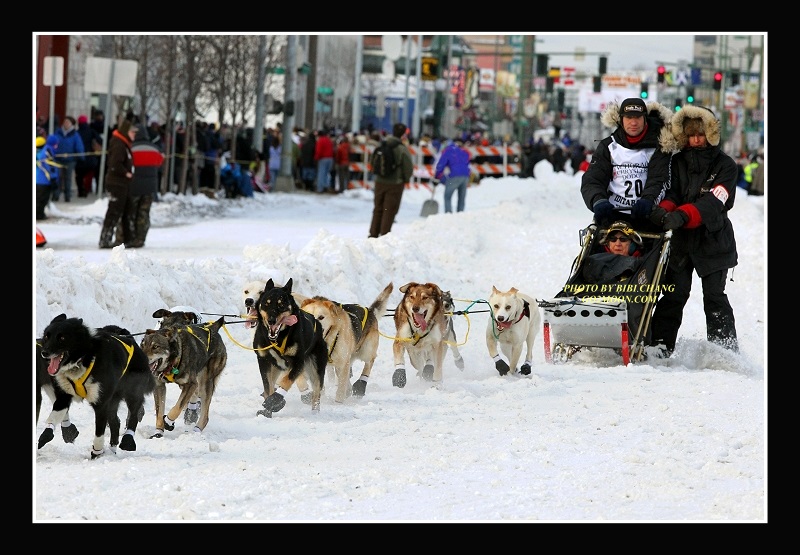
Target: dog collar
[(526, 311)]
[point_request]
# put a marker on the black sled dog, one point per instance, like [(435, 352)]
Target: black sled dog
[(288, 342), (102, 367)]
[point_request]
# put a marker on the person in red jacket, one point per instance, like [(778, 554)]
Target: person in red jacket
[(342, 159), (323, 156), (147, 161)]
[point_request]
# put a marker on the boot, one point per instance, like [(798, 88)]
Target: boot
[(107, 237)]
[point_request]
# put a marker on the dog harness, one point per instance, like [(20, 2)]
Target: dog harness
[(348, 309), (78, 386), (170, 376)]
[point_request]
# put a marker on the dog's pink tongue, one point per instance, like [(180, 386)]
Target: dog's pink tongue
[(252, 316), (419, 320), (289, 320), (54, 365)]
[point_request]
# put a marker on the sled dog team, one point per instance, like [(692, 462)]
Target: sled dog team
[(296, 339)]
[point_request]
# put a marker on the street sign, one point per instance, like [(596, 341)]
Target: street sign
[(53, 71), (324, 90)]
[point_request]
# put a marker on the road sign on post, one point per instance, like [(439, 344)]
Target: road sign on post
[(110, 77), (53, 77)]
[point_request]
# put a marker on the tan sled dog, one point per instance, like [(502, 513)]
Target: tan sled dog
[(514, 323), (421, 326), (350, 332)]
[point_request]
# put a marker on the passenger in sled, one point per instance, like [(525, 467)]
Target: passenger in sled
[(620, 255)]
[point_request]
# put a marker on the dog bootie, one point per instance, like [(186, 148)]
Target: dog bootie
[(306, 396), (192, 413), (69, 433), (127, 443), (460, 363), (399, 377), (360, 387), (427, 373), (265, 412), (274, 402), (525, 370)]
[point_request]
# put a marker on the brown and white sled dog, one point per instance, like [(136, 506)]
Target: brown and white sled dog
[(288, 342), (514, 324), (421, 326), (192, 356), (350, 332), (250, 293)]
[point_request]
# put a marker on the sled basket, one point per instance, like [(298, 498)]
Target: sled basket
[(608, 314)]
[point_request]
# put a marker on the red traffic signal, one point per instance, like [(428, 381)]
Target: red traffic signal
[(661, 73), (717, 80)]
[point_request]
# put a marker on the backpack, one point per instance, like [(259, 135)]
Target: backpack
[(383, 160)]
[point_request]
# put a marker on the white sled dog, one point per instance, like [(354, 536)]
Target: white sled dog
[(514, 323)]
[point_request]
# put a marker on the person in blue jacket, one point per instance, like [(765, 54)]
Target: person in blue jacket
[(455, 158), (69, 152), (47, 170)]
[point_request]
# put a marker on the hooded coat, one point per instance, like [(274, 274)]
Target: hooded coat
[(147, 161), (703, 186), (597, 181)]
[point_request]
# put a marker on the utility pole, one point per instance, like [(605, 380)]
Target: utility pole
[(355, 124), (285, 180), (258, 126)]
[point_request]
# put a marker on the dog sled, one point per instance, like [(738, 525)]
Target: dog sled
[(614, 312)]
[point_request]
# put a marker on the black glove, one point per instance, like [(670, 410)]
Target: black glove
[(502, 367), (657, 215), (642, 208), (675, 219), (602, 210)]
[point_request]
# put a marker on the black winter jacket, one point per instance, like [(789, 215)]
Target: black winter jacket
[(703, 185), (596, 179)]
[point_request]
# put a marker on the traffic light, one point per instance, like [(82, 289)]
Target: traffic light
[(548, 87), (661, 73), (541, 64), (560, 100), (644, 88), (690, 95), (735, 75), (597, 83), (678, 104), (603, 65), (717, 80)]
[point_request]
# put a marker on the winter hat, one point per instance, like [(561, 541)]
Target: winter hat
[(40, 142), (633, 108), (623, 228), (82, 119), (52, 140), (692, 119)]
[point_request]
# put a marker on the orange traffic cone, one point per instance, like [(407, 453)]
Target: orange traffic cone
[(40, 240)]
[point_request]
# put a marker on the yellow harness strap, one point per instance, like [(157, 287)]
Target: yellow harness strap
[(80, 389)]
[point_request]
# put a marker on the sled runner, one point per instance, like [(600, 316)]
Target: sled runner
[(614, 312)]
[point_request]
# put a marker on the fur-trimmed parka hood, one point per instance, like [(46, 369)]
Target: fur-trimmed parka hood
[(710, 125), (655, 111)]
